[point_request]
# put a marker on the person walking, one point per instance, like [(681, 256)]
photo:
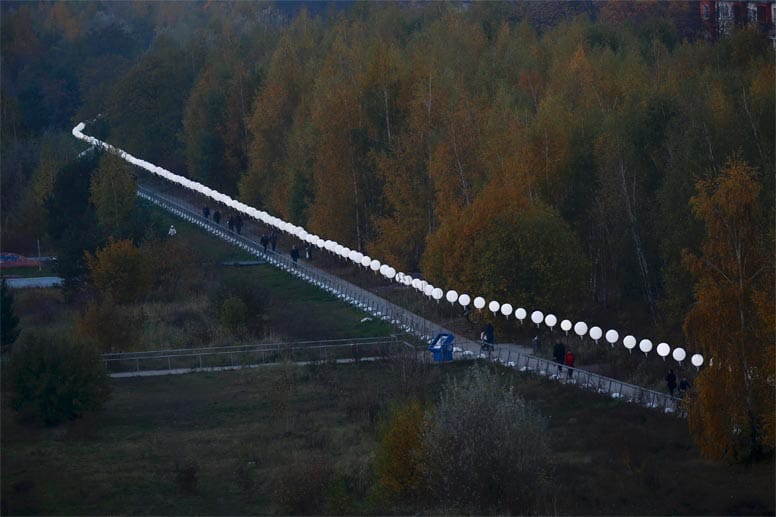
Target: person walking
[(486, 336), (536, 344), (294, 254), (273, 239), (569, 362), (684, 386), (238, 223), (559, 354), (671, 381), (171, 232), (217, 217), (206, 212), (264, 242)]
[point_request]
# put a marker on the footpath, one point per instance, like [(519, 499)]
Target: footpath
[(512, 355)]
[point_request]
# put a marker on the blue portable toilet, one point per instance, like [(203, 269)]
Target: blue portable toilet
[(442, 347)]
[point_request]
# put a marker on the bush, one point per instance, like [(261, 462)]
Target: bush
[(301, 487), (56, 379), (397, 463), (9, 329), (113, 328), (233, 315), (484, 448)]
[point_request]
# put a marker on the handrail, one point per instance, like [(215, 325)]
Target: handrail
[(405, 320)]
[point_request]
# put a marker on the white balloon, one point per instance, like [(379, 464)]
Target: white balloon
[(479, 302), (565, 325), (629, 342), (384, 269), (696, 360), (451, 296), (645, 345), (537, 317), (679, 354), (416, 283), (366, 260), (596, 333), (352, 255), (550, 320), (464, 300), (506, 309), (437, 294), (520, 314), (494, 306), (391, 273), (580, 328), (374, 265), (428, 289), (612, 336), (663, 350)]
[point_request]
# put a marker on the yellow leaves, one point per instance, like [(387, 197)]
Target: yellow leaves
[(113, 192), (398, 458), (120, 271)]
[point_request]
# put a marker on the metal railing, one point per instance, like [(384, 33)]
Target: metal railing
[(411, 323), (241, 356)]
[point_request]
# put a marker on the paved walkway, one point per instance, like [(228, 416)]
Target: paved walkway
[(513, 355), (40, 281)]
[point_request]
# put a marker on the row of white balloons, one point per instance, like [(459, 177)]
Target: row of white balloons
[(452, 296)]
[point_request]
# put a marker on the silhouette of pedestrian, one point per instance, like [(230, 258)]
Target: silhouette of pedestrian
[(536, 344), (273, 239), (217, 217), (559, 354), (294, 254), (569, 362), (238, 223), (171, 232), (206, 212), (308, 252), (230, 222), (671, 382), (264, 242), (684, 386)]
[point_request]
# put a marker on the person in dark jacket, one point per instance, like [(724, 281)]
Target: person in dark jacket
[(238, 223), (559, 354), (206, 212), (487, 338), (671, 382), (308, 252), (569, 362), (264, 242), (273, 239), (684, 386), (217, 217), (294, 254)]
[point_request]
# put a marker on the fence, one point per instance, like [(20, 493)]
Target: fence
[(399, 317), (159, 362)]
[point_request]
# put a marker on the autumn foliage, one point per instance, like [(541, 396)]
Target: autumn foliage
[(732, 319)]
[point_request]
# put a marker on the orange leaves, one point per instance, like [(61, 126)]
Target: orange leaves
[(731, 322)]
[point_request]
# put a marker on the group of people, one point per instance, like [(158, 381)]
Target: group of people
[(564, 357), (684, 384), (233, 221), (270, 239)]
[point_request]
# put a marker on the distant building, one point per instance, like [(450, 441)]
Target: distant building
[(719, 18)]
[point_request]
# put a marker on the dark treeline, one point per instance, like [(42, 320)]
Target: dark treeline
[(539, 153)]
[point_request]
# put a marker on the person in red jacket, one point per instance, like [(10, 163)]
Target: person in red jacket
[(569, 362)]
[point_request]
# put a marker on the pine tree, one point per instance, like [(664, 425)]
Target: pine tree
[(9, 321)]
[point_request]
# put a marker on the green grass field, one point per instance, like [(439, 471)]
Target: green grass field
[(243, 435)]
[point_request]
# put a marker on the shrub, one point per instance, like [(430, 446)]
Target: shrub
[(120, 270), (484, 449), (233, 314), (55, 378), (113, 328), (397, 463)]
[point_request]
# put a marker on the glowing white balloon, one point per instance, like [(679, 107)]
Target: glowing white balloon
[(596, 333), (416, 283), (645, 345), (612, 336), (479, 303), (629, 342), (679, 354), (663, 350), (391, 274), (697, 361), (580, 329), (374, 265), (352, 256), (506, 309), (451, 296), (551, 320), (437, 294), (464, 300), (537, 317), (565, 326), (366, 260), (520, 314), (384, 269), (494, 306), (428, 289)]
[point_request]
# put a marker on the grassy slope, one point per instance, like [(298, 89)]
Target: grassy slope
[(241, 431)]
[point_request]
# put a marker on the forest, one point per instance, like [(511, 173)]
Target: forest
[(572, 156)]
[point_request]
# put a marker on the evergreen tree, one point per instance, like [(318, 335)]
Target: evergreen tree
[(9, 321)]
